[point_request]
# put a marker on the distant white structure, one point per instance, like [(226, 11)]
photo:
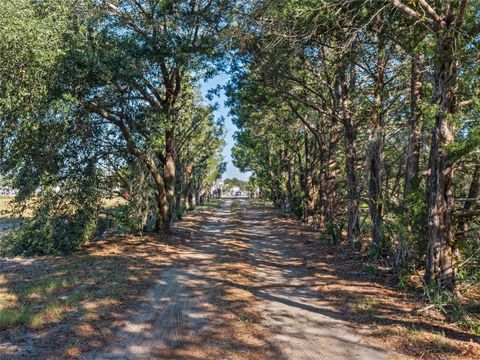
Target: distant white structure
[(235, 191), (7, 191), (221, 190)]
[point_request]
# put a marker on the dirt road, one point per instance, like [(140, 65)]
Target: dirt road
[(185, 314)]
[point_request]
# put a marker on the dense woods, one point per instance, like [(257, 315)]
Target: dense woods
[(359, 117), (362, 119)]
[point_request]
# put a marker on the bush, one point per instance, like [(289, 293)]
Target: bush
[(50, 235)]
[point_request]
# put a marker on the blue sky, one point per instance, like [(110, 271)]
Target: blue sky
[(230, 128)]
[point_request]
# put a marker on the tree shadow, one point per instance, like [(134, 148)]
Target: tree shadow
[(198, 292), (116, 295)]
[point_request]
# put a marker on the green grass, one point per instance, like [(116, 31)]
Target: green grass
[(365, 306), (47, 285), (260, 203), (235, 204), (212, 204), (24, 316), (10, 318)]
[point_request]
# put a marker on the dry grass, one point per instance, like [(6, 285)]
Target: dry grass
[(365, 296), (76, 303), (113, 202), (212, 204), (5, 206), (65, 306), (390, 316), (89, 290)]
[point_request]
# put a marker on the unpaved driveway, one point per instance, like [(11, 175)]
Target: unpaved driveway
[(303, 325), (182, 312)]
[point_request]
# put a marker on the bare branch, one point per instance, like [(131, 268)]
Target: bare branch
[(430, 11), (413, 14)]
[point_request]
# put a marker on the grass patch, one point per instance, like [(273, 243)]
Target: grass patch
[(212, 204), (372, 270), (53, 312), (51, 293), (10, 318), (469, 323), (421, 343), (365, 306), (5, 204), (46, 286), (235, 204), (7, 207), (260, 203)]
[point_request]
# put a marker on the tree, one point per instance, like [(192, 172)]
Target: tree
[(446, 24)]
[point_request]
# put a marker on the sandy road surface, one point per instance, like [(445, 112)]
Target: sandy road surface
[(179, 310)]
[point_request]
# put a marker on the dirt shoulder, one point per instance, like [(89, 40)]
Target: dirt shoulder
[(362, 296)]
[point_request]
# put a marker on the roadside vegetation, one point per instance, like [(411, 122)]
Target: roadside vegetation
[(362, 119), (63, 306)]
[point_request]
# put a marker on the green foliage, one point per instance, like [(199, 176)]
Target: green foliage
[(464, 315), (234, 182), (31, 36), (51, 236), (86, 104), (10, 318), (63, 218), (315, 104)]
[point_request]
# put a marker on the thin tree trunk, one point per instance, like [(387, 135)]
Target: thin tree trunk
[(331, 190), (413, 150), (186, 186), (473, 194), (327, 180), (376, 155), (288, 178), (169, 176), (350, 137), (322, 187), (413, 153), (310, 192)]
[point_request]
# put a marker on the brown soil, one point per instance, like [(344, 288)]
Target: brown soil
[(233, 283)]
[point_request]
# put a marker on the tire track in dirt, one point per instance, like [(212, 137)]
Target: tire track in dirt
[(178, 308), (303, 326), (173, 313)]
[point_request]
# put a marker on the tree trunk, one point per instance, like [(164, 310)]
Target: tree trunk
[(376, 155), (169, 176), (473, 194), (413, 150), (327, 179), (186, 186), (310, 197), (162, 202), (412, 180), (331, 189), (350, 137), (440, 261)]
